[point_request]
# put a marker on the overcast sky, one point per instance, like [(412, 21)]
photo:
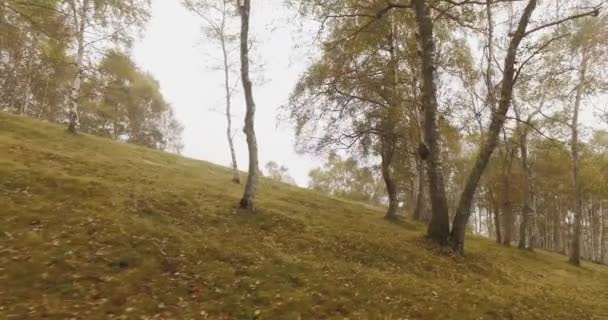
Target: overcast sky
[(173, 51)]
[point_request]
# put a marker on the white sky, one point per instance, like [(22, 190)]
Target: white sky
[(173, 51)]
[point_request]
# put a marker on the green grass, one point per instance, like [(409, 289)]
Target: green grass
[(95, 229)]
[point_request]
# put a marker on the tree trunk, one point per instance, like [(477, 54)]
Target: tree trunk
[(489, 70), (248, 200), (533, 229), (115, 132), (556, 229), (592, 233), (479, 216), (421, 210), (526, 208), (235, 168), (75, 91), (439, 227), (389, 129), (597, 226), (26, 98), (489, 213), (420, 198), (507, 215), (496, 215), (507, 204), (507, 209), (603, 233), (497, 225), (548, 229), (388, 150), (498, 119), (575, 251)]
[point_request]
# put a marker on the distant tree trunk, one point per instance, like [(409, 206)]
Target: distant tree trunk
[(115, 125), (489, 213), (527, 205), (27, 91), (495, 215), (507, 204), (603, 233), (235, 168), (507, 210), (479, 211), (498, 119), (388, 150), (497, 225), (420, 208), (507, 215), (80, 19), (547, 233), (439, 227), (26, 98), (533, 229), (556, 229), (575, 252), (597, 226), (248, 200), (593, 224)]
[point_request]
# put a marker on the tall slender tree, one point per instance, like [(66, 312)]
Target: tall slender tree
[(248, 200), (216, 15), (439, 227), (588, 46)]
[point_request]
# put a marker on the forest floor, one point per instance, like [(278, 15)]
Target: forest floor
[(96, 229)]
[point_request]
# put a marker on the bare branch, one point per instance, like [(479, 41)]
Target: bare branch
[(374, 17), (594, 13), (29, 19), (536, 52), (461, 3), (529, 124)]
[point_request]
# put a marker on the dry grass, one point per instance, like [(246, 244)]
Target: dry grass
[(94, 229)]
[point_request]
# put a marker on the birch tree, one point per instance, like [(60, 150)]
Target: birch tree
[(588, 49), (249, 195), (217, 17), (95, 22), (509, 76), (357, 97), (461, 14)]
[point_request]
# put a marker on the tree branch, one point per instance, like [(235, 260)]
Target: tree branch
[(374, 17), (29, 19), (460, 3), (594, 13), (535, 53), (529, 125)]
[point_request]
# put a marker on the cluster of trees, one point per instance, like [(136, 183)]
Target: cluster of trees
[(500, 203), (67, 61), (347, 179), (471, 109), (280, 173)]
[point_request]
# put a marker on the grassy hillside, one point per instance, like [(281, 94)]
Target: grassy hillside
[(95, 229)]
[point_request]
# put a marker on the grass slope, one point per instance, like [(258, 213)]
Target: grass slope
[(95, 229)]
